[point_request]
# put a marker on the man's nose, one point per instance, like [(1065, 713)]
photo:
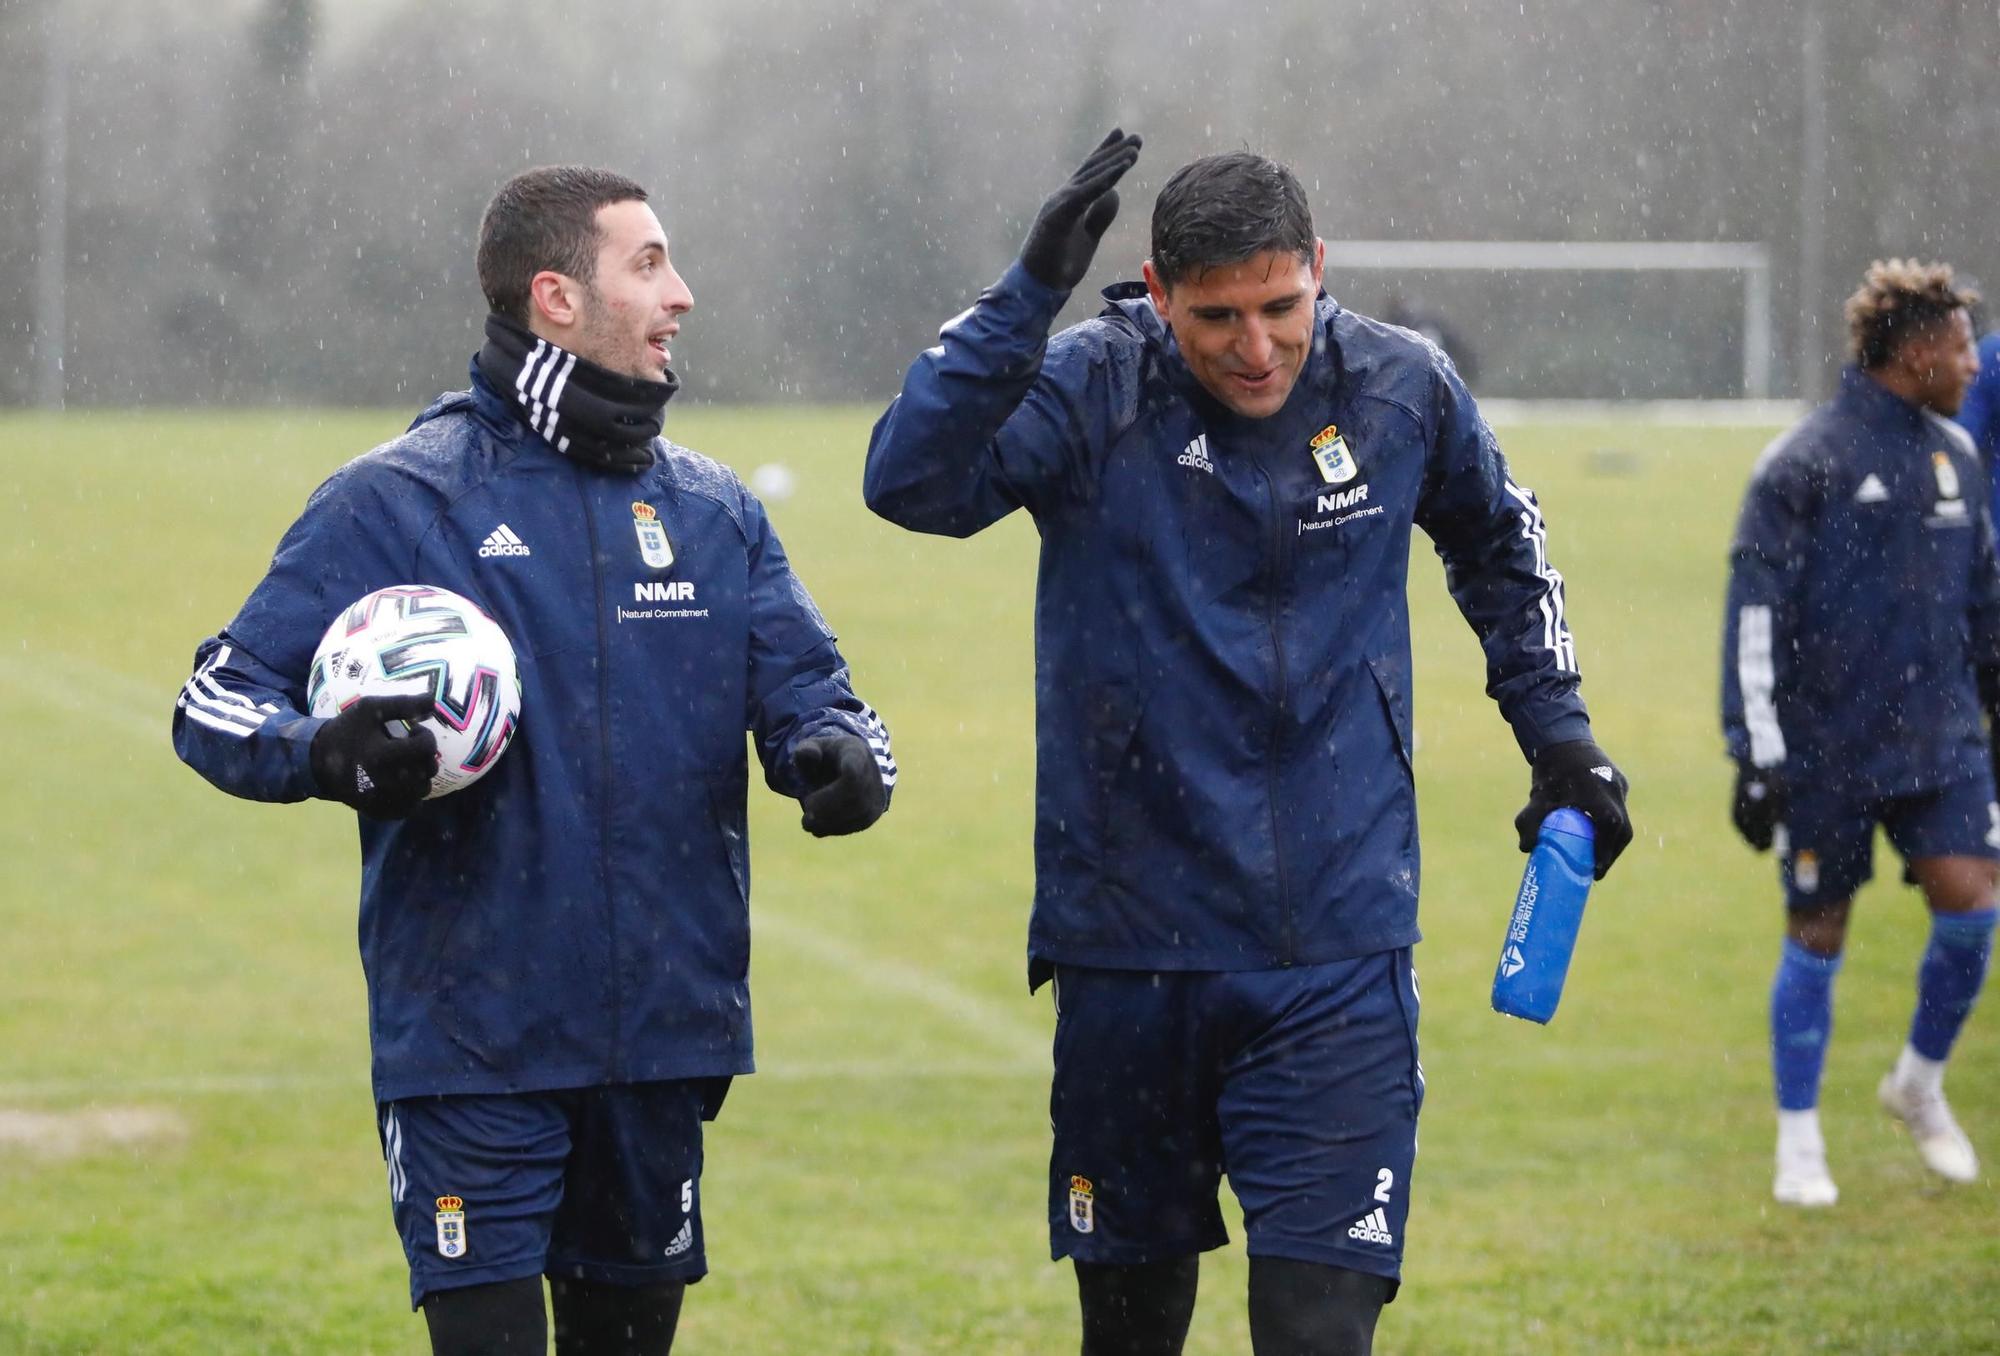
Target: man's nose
[(1256, 345), (678, 299)]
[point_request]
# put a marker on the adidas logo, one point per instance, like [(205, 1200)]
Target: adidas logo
[(1604, 773), (501, 541), (685, 1238), (1372, 1228), (1872, 490), (1196, 455)]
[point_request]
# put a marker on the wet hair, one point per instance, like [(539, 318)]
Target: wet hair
[(1900, 299), (540, 219), (1222, 209)]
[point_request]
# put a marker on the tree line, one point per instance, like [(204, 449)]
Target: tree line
[(275, 200)]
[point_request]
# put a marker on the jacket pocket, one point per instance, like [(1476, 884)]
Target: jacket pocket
[(1395, 709), (726, 808), (1112, 712)]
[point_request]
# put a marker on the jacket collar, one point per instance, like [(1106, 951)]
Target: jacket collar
[(1869, 398)]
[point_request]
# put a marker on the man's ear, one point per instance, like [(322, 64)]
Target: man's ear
[(552, 298), (1155, 288)]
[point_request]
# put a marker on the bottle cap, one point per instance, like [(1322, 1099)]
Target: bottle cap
[(1570, 821)]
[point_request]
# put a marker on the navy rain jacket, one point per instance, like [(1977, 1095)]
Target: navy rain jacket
[(1863, 595), (1222, 637), (579, 916)]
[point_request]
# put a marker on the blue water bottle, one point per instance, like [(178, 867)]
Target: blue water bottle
[(1534, 957)]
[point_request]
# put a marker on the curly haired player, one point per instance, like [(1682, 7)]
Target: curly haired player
[(1862, 642)]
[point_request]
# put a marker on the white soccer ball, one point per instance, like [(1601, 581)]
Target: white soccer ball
[(773, 482), (416, 638)]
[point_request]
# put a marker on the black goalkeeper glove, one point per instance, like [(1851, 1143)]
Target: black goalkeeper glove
[(356, 760), (1760, 803), (1066, 231), (1578, 775), (845, 791)]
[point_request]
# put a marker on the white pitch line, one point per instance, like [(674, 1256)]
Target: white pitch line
[(107, 696), (1017, 1038), (258, 1085)]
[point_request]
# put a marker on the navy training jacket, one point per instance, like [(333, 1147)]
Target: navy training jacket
[(579, 916), (1222, 638), (1863, 595)]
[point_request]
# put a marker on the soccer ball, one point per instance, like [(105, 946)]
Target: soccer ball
[(416, 638), (773, 482)]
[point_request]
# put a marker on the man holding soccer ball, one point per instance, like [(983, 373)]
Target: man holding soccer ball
[(557, 957)]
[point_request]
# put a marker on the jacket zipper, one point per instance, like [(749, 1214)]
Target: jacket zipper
[(1278, 714), (604, 786)]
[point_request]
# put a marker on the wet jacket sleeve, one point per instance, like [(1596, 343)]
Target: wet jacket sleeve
[(240, 720), (985, 425), (798, 683), (1766, 562), (1494, 544), (1985, 610), (1980, 414)]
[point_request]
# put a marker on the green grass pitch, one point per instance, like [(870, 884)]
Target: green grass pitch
[(186, 1156)]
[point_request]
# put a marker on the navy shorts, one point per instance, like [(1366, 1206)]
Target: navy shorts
[(1301, 1085), (597, 1184), (1828, 849)]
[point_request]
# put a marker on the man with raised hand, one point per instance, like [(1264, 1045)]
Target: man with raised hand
[(1861, 643), (557, 957), (1225, 466)]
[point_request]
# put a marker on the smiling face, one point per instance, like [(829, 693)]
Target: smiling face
[(1245, 329), (623, 317)]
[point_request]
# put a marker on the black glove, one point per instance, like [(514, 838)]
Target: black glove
[(1578, 775), (845, 792), (357, 760), (1067, 229), (1760, 803)]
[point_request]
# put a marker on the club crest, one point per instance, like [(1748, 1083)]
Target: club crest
[(1947, 475), (1331, 455), (451, 1226), (654, 548), (1082, 1205)]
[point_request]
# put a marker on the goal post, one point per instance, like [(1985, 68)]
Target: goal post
[(1751, 259)]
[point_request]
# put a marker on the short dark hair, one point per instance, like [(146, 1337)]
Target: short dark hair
[(1898, 300), (544, 218), (1222, 209)]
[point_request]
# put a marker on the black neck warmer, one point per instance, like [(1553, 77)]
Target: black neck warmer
[(583, 411)]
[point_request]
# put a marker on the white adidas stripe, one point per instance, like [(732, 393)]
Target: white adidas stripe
[(528, 370), (555, 398), (1757, 678), (876, 735), (1555, 629), (545, 361), (392, 1135), (200, 716), (208, 703)]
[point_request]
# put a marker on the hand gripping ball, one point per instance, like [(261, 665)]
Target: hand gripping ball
[(417, 638)]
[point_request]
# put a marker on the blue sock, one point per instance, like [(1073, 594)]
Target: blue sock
[(1801, 1023), (1948, 981)]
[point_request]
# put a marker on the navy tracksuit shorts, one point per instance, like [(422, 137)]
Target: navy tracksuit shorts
[(1300, 1085)]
